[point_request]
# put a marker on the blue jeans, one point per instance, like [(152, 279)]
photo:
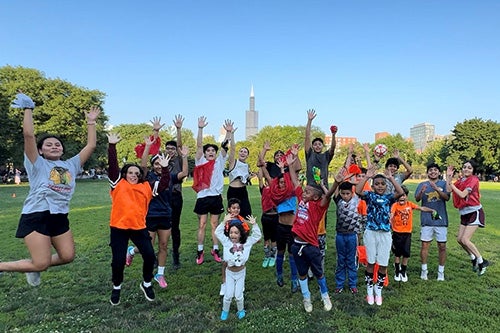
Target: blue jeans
[(346, 260)]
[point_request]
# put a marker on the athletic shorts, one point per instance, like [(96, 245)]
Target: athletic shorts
[(401, 244), (211, 204), (378, 246), (155, 223), (427, 233), (474, 218), (44, 223)]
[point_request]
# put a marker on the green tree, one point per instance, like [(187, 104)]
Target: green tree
[(60, 109)]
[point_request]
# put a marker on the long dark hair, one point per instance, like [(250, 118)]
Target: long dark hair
[(243, 234)]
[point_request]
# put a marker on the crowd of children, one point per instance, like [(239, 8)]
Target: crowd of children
[(371, 207)]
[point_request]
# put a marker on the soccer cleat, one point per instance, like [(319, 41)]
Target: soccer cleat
[(241, 314), (130, 256), (115, 296), (215, 254), (440, 276), (397, 277), (279, 280), (474, 264), (327, 303), (307, 304), (295, 286), (378, 300), (423, 274), (404, 277), (199, 257), (224, 315), (265, 262), (149, 293), (482, 267), (338, 290), (160, 278), (33, 278), (354, 290), (272, 262), (222, 290)]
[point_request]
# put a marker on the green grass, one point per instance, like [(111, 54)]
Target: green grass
[(74, 297)]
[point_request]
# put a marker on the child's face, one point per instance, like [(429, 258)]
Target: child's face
[(243, 154), (157, 166), (210, 153), (346, 195), (433, 173), (281, 182), (133, 174), (234, 210), (402, 199), (317, 146), (379, 185), (310, 193), (234, 234), (392, 168)]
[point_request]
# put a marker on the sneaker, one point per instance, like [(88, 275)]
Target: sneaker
[(199, 257), (404, 277), (161, 281), (241, 314), (130, 256), (482, 267), (474, 265), (440, 276), (222, 290), (423, 274), (327, 303), (33, 278), (295, 286), (353, 290), (265, 263), (272, 262), (224, 315), (149, 293), (307, 304), (279, 281), (176, 261), (115, 296), (378, 300), (215, 254), (397, 277), (339, 290), (370, 299)]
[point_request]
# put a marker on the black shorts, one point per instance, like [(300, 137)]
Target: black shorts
[(44, 223), (401, 244), (211, 204), (155, 223)]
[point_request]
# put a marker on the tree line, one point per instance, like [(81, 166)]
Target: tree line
[(60, 107)]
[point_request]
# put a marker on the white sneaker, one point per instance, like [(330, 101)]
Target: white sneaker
[(423, 274), (327, 302), (440, 276), (369, 295), (222, 289), (404, 277), (378, 296), (33, 278), (397, 277), (308, 305)]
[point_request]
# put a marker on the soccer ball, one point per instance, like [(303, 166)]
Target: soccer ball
[(380, 150)]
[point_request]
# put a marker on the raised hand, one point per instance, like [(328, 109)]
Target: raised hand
[(295, 149), (311, 114), (149, 140), (184, 151), (178, 121), (229, 126), (251, 219), (267, 146), (113, 138), (156, 122), (202, 122), (164, 159), (22, 101), (92, 114), (450, 171)]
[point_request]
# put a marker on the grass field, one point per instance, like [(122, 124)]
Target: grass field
[(75, 297)]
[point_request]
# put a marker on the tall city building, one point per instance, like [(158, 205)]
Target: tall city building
[(252, 118), (421, 135)]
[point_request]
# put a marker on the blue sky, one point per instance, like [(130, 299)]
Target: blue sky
[(366, 66)]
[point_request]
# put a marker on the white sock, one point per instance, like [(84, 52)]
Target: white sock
[(200, 247), (424, 267), (441, 269), (216, 247), (472, 257), (480, 260), (146, 284), (161, 270), (117, 287)]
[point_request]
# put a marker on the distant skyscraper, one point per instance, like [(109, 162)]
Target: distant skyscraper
[(252, 118), (421, 135)]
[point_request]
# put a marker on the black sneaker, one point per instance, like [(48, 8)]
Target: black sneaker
[(115, 296), (149, 293), (474, 264), (279, 280), (482, 267)]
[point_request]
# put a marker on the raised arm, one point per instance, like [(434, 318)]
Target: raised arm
[(113, 168), (290, 160), (398, 191), (202, 122), (366, 148), (450, 187), (409, 169), (261, 160), (27, 105), (178, 121), (157, 126), (229, 127), (339, 178), (311, 114), (89, 148), (370, 172), (145, 154), (333, 145), (184, 152)]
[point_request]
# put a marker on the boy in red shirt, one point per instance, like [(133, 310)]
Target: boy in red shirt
[(402, 224)]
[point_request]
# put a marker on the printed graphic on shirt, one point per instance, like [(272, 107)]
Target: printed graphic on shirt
[(61, 178)]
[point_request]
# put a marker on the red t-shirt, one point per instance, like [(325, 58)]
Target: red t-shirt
[(307, 219)]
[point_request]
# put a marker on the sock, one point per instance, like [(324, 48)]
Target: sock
[(147, 284), (380, 281), (216, 247), (369, 278), (200, 247), (424, 267), (322, 285), (267, 253), (480, 260), (304, 287), (117, 287), (273, 251), (397, 268), (279, 263), (293, 268), (441, 269), (472, 257), (161, 270), (403, 268)]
